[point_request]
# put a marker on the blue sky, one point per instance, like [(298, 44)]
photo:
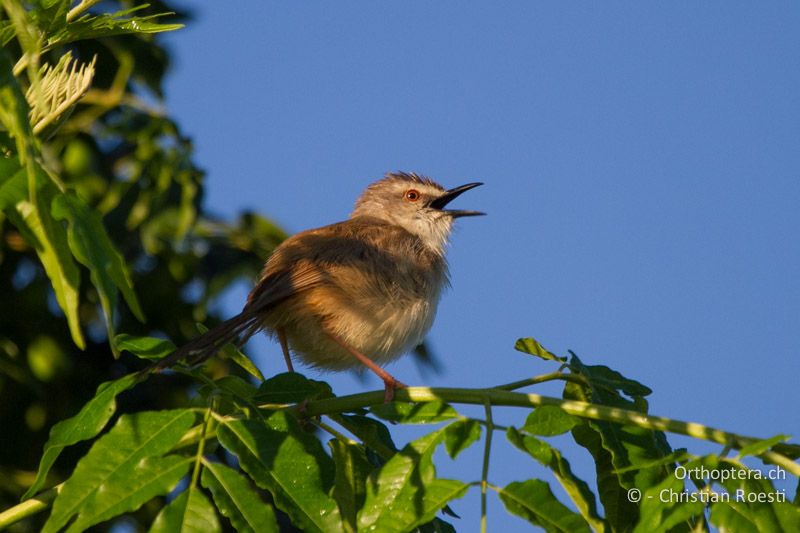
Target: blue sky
[(642, 181)]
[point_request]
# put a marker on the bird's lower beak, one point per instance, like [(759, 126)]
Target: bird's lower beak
[(448, 196)]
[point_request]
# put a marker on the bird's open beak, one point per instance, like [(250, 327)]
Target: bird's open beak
[(448, 196)]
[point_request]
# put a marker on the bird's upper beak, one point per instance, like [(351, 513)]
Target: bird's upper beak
[(448, 196)]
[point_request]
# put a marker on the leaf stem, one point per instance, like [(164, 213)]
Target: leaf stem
[(30, 507), (486, 455), (80, 8), (535, 380), (200, 448), (332, 431)]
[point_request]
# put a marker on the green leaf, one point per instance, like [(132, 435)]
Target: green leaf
[(51, 15), (234, 354), (235, 387), (190, 512), (373, 433), (280, 457), (532, 347), (232, 394), (349, 489), (437, 525), (405, 492), (93, 248), (577, 489), (32, 216), (603, 377), (106, 472), (415, 413), (108, 24), (150, 348), (14, 108), (534, 501), (774, 516), (759, 447), (150, 477), (91, 419), (460, 435), (661, 512), (548, 421), (291, 387), (615, 448), (36, 225), (754, 503), (13, 183), (237, 501)]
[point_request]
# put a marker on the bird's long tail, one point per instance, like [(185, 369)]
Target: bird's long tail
[(236, 330)]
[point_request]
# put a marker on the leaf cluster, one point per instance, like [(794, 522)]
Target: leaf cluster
[(102, 227), (106, 252)]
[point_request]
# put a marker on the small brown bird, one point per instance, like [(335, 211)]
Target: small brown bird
[(362, 291)]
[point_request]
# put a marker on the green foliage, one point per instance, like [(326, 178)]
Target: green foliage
[(189, 512), (102, 215), (90, 421), (534, 501), (236, 499)]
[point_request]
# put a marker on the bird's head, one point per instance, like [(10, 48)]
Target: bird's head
[(415, 203)]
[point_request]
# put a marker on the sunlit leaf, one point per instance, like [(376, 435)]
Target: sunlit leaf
[(132, 488), (107, 24), (237, 500), (762, 446), (349, 489), (532, 347), (90, 421), (48, 238), (288, 462), (190, 512), (549, 420), (534, 501), (106, 470), (405, 492)]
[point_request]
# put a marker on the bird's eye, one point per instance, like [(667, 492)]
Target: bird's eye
[(412, 195)]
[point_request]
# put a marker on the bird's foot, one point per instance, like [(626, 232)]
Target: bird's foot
[(390, 385)]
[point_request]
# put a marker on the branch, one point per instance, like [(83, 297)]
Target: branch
[(30, 507), (580, 409)]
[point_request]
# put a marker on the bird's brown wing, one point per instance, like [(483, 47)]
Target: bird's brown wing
[(278, 285), (301, 263)]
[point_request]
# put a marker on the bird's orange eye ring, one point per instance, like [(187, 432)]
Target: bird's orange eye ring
[(412, 195)]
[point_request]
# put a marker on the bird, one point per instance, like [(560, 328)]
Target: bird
[(353, 294)]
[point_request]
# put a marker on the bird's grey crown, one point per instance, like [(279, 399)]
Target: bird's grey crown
[(410, 177)]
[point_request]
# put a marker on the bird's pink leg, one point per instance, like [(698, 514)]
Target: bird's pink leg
[(390, 383), (285, 347)]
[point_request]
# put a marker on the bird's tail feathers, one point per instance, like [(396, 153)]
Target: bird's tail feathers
[(235, 330)]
